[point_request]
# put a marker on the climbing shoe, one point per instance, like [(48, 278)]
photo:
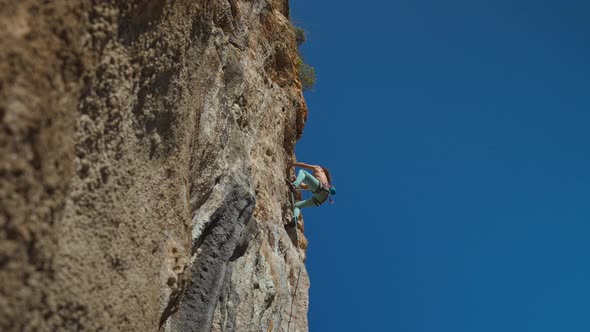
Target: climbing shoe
[(291, 185)]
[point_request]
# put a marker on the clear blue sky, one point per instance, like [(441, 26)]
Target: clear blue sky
[(458, 135)]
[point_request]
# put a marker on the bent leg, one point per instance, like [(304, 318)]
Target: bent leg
[(300, 205), (308, 179)]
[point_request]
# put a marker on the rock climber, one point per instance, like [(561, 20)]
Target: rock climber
[(320, 184)]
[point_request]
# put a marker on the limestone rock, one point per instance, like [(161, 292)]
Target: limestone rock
[(143, 150)]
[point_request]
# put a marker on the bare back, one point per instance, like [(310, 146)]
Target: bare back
[(319, 174)]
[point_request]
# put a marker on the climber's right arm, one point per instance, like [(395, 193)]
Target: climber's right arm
[(304, 165)]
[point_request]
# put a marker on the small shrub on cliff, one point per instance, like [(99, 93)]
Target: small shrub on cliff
[(306, 74), (299, 35)]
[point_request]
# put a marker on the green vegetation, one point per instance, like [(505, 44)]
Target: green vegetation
[(299, 35), (306, 72)]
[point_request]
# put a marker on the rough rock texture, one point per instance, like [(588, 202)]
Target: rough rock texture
[(143, 150)]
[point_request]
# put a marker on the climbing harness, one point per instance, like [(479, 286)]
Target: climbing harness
[(325, 187), (322, 187)]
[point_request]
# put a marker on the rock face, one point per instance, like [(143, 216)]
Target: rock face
[(144, 147)]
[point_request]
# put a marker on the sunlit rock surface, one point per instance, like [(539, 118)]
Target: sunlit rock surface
[(144, 147)]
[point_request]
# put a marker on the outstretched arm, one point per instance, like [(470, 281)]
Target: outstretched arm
[(304, 165)]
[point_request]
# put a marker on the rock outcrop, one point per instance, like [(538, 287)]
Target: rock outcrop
[(144, 147)]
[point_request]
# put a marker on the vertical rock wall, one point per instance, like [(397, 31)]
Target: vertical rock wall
[(143, 150)]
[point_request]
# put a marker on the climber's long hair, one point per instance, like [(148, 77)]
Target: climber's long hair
[(327, 175)]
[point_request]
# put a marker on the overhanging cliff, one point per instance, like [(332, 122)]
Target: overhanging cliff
[(143, 151)]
